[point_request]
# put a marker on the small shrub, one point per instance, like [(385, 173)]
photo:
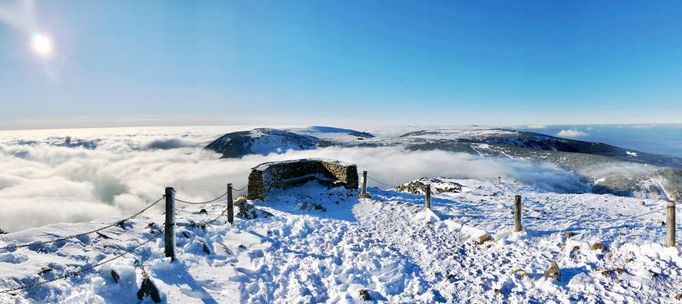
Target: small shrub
[(598, 246), (553, 272), (484, 238)]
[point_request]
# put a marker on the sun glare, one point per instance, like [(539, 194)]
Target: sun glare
[(42, 45)]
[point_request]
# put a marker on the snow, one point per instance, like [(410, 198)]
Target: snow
[(389, 246), (332, 133), (452, 134)]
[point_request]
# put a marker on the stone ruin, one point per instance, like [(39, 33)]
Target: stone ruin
[(284, 174)]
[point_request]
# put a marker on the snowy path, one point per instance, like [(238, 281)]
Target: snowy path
[(461, 270), (327, 246)]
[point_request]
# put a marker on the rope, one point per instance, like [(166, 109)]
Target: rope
[(201, 203), (620, 218), (74, 273), (380, 182), (83, 233), (216, 218), (242, 188)]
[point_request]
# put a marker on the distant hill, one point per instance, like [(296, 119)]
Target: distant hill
[(608, 168)]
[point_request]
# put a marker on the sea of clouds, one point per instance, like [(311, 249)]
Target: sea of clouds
[(56, 176)]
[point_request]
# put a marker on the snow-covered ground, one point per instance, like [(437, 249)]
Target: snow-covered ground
[(324, 245)]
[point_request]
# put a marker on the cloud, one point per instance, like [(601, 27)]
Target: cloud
[(571, 133), (42, 183), (536, 127)]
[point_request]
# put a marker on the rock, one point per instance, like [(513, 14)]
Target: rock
[(292, 173), (569, 234), (678, 296), (115, 276), (598, 246), (484, 238), (203, 211), (574, 251), (3, 231), (620, 270), (553, 272), (148, 289), (659, 222), (438, 185), (152, 226), (194, 224), (365, 295), (311, 206), (249, 211), (44, 270), (204, 247)]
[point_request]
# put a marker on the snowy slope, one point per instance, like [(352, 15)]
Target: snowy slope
[(327, 246)]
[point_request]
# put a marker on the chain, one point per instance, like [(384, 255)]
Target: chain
[(201, 203), (380, 182)]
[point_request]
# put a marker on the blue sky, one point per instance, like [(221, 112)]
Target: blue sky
[(344, 62)]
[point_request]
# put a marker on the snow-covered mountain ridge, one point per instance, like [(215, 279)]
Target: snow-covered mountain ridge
[(607, 168), (388, 248)]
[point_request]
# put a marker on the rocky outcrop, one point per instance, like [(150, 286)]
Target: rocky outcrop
[(438, 185), (290, 173)]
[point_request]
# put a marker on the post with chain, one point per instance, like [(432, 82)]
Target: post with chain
[(427, 197), (169, 226), (670, 240), (230, 205), (517, 214), (364, 193)]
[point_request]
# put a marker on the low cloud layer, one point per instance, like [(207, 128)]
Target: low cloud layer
[(571, 133), (43, 183)]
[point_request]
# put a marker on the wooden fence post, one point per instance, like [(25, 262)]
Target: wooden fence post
[(364, 193), (169, 226), (670, 240), (427, 197), (517, 214), (230, 205)]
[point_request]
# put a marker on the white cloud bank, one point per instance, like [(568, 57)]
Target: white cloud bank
[(43, 183), (571, 133)]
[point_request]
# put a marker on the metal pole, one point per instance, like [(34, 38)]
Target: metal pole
[(169, 226), (230, 205)]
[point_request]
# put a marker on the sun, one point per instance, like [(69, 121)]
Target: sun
[(42, 45)]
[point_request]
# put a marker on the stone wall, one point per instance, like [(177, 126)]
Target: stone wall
[(284, 174)]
